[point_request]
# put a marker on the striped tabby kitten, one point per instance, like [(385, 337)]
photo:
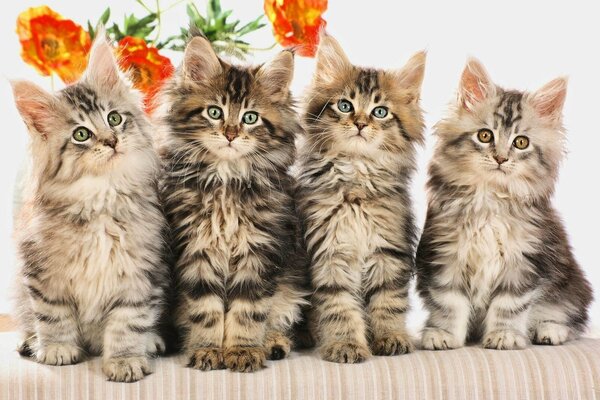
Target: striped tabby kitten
[(363, 126), (229, 143), (494, 261), (89, 237)]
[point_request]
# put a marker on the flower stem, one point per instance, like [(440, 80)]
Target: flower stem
[(141, 3), (158, 21)]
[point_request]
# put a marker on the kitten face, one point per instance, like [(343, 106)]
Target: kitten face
[(509, 140), (94, 127), (359, 110), (221, 112)]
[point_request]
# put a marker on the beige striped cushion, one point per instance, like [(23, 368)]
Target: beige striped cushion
[(571, 371)]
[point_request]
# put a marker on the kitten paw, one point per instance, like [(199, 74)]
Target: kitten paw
[(392, 344), (206, 359), (244, 359), (505, 339), (551, 333), (26, 346), (277, 346), (58, 354), (155, 345), (126, 369), (438, 339), (345, 352)]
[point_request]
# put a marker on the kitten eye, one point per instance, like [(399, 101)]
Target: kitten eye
[(250, 118), (114, 118), (521, 142), (380, 112), (215, 112), (485, 136), (344, 106), (81, 134)]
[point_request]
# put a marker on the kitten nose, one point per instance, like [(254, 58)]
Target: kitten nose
[(360, 125), (500, 159), (231, 133), (110, 142)]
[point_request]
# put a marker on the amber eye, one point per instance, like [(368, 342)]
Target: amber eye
[(485, 136), (521, 142)]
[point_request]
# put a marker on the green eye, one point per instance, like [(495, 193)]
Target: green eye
[(250, 118), (114, 118), (485, 136), (521, 142), (344, 106), (380, 112), (81, 134), (215, 112)]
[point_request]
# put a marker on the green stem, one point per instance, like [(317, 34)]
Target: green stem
[(178, 2), (158, 21), (141, 3)]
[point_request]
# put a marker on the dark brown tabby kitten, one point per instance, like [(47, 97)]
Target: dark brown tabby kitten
[(229, 142)]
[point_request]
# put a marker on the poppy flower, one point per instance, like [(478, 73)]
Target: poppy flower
[(297, 23), (148, 69), (52, 44)]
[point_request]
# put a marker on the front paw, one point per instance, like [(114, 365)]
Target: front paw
[(392, 344), (551, 333), (277, 346), (206, 359), (504, 339), (155, 345), (345, 352), (58, 354), (244, 359), (126, 369), (438, 339)]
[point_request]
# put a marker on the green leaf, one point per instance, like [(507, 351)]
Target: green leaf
[(105, 16)]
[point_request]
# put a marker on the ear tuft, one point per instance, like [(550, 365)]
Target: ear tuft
[(200, 62), (410, 77), (331, 60), (276, 75), (102, 67), (34, 104), (475, 84), (548, 101)]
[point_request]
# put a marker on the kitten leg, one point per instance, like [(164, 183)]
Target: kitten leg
[(449, 312), (387, 302), (56, 330), (549, 323), (506, 321), (284, 313)]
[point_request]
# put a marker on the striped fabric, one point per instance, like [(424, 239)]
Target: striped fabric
[(571, 371)]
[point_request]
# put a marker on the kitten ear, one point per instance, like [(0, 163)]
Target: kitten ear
[(548, 101), (34, 104), (475, 84), (200, 62), (276, 75), (102, 67), (331, 60), (410, 77)]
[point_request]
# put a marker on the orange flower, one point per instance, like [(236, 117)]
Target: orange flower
[(51, 44), (297, 22), (148, 69)]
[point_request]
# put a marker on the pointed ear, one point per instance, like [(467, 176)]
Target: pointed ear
[(276, 75), (35, 105), (200, 62), (331, 60), (475, 84), (102, 67), (410, 77), (549, 100)]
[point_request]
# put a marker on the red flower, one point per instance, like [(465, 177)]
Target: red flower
[(297, 22), (148, 69)]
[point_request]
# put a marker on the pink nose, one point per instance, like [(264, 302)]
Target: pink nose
[(231, 133), (360, 125), (500, 159)]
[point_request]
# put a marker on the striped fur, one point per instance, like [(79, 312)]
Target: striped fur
[(494, 263), (90, 238), (240, 269), (355, 203)]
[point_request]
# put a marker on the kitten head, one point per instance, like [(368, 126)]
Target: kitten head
[(358, 110), (94, 127), (512, 141), (221, 113)]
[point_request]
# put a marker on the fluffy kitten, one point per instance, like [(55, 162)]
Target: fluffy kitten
[(494, 260), (89, 236), (229, 144), (363, 126)]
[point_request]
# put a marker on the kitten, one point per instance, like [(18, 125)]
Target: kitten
[(89, 236), (363, 126), (494, 261), (229, 142)]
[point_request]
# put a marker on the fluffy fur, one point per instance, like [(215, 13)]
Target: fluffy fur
[(229, 202), (494, 263), (354, 176), (89, 236)]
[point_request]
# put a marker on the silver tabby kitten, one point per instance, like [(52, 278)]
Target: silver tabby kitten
[(229, 142), (494, 262), (89, 236), (363, 126)]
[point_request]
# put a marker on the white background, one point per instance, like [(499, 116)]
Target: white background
[(524, 44)]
